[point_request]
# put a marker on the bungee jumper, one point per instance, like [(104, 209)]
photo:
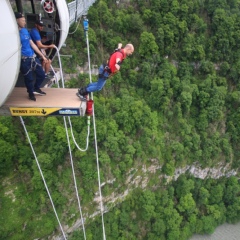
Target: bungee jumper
[(107, 70)]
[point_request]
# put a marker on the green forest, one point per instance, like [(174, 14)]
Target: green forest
[(176, 101)]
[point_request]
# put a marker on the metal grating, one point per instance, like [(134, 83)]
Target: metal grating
[(78, 8)]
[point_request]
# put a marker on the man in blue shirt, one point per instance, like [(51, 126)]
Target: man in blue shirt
[(35, 35), (29, 62)]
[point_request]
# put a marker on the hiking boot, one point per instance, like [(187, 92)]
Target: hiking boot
[(32, 97), (83, 91), (39, 92)]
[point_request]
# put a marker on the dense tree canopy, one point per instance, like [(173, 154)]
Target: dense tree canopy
[(175, 101)]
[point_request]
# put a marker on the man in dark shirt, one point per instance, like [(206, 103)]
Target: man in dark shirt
[(36, 37)]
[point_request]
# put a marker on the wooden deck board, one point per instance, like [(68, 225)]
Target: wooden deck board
[(57, 101)]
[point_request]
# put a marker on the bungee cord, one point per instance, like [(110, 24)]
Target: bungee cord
[(87, 138), (76, 27), (69, 119), (85, 23)]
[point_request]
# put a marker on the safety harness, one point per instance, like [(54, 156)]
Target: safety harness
[(33, 63), (106, 66)]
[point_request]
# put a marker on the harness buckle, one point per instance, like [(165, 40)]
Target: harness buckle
[(107, 69), (25, 57)]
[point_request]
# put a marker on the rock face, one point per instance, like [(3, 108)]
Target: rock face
[(140, 178), (84, 69), (198, 172)]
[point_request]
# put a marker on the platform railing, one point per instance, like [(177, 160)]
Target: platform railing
[(78, 8)]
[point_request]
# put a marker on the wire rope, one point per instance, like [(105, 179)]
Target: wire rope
[(96, 146), (40, 170), (74, 178), (98, 171), (102, 56)]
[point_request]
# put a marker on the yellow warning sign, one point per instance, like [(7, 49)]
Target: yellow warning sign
[(33, 111)]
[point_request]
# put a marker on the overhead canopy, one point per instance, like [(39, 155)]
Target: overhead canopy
[(10, 50)]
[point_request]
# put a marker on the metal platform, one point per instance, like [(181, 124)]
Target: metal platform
[(56, 102)]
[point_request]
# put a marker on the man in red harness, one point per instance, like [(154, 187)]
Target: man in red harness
[(105, 71)]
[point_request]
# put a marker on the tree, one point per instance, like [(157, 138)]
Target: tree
[(209, 224), (159, 227), (173, 221), (8, 152), (186, 204), (169, 168), (216, 194), (147, 39), (203, 196), (183, 186), (186, 100)]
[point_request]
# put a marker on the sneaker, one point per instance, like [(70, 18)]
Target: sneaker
[(39, 92), (48, 75), (82, 98), (32, 97)]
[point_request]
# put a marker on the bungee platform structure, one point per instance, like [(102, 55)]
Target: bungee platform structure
[(56, 102)]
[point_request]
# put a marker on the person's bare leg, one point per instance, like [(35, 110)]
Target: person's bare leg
[(44, 67), (47, 66)]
